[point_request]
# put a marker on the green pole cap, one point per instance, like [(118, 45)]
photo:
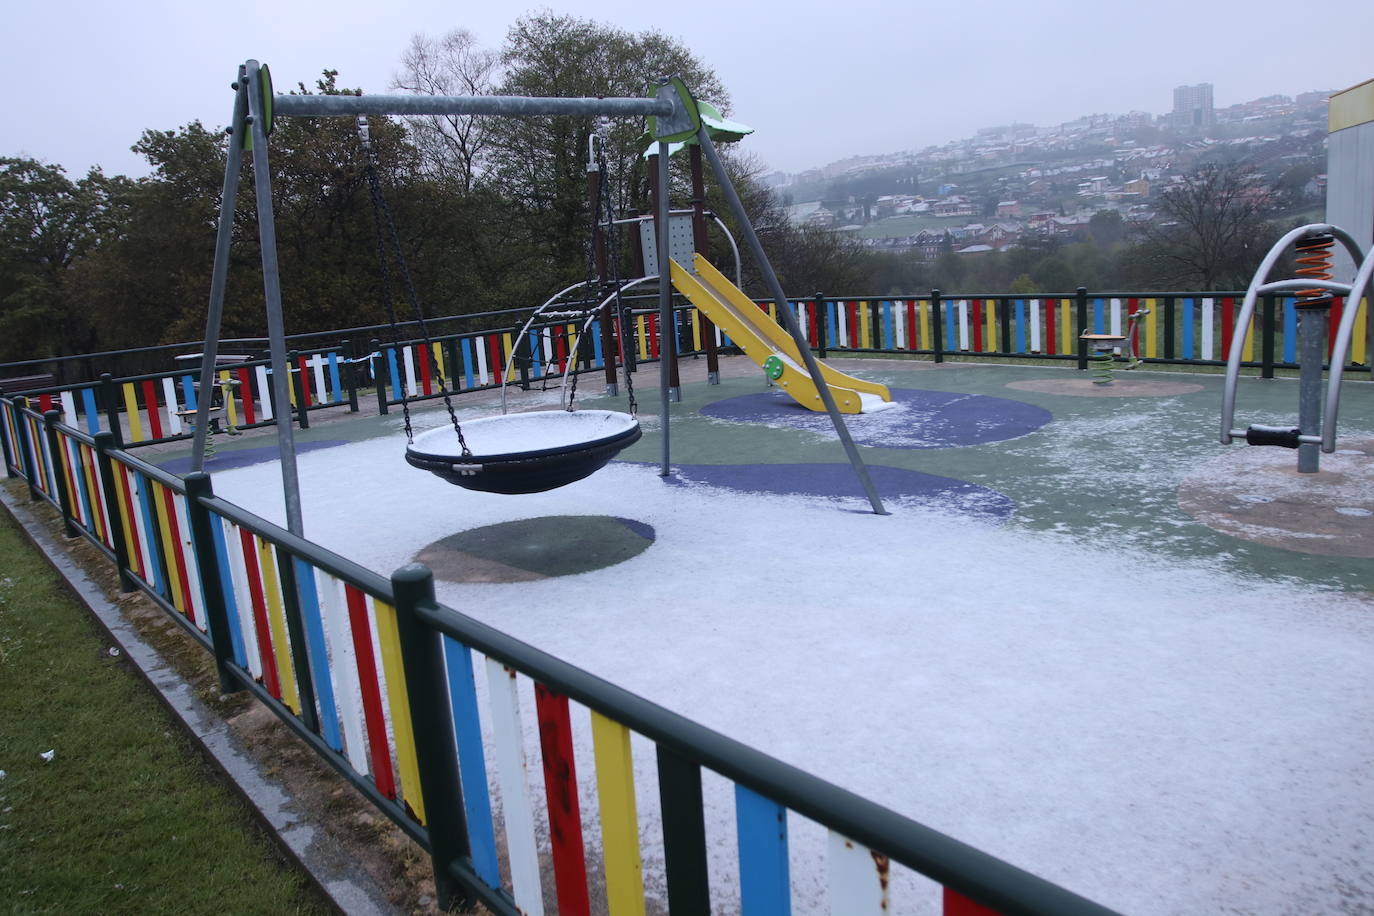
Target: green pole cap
[(683, 123)]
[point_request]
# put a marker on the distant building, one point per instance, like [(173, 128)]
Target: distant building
[(1140, 186), (1193, 108)]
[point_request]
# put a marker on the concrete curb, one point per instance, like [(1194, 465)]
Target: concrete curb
[(303, 839)]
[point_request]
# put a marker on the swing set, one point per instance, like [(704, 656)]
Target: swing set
[(509, 453)]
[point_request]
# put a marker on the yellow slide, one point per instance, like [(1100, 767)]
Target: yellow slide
[(767, 343)]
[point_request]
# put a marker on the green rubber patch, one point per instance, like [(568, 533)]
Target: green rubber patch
[(773, 367), (536, 548)]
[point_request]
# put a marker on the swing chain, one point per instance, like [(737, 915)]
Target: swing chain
[(381, 215), (603, 203)]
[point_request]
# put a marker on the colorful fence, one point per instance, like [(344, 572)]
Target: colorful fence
[(414, 370), (500, 760), (150, 409), (1174, 328)]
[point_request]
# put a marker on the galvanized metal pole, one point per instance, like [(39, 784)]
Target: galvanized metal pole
[(789, 319), (271, 285), (223, 239), (1312, 336), (342, 106), (665, 303)]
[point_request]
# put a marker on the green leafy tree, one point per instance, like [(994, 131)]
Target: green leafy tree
[(49, 224), (1107, 228), (538, 165)]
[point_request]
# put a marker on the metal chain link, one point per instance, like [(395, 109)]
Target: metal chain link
[(604, 203), (381, 214)]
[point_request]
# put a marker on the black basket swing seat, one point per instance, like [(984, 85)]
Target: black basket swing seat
[(510, 452), (525, 452)]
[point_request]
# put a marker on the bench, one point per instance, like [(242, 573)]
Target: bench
[(20, 384)]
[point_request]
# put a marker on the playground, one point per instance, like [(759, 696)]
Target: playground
[(789, 633), (1089, 639)]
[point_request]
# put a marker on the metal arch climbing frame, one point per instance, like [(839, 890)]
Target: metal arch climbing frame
[(1325, 434), (254, 108), (1363, 283), (588, 315)]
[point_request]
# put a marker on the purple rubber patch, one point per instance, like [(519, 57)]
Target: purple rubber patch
[(919, 419), (243, 457), (896, 484)]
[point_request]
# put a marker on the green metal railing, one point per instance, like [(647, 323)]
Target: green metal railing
[(304, 629)]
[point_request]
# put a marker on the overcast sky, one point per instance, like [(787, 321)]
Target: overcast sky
[(819, 81)]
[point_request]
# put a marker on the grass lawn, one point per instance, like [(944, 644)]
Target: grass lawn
[(126, 816)]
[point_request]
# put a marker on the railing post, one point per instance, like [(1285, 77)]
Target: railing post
[(1170, 313), (25, 451), (524, 362), (937, 325), (104, 441), (1081, 319), (207, 566), (297, 380), (822, 325), (1267, 338), (350, 375), (295, 630), (422, 655), (64, 497), (378, 363), (111, 396), (6, 447)]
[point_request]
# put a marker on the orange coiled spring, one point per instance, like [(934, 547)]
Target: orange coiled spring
[(1314, 262)]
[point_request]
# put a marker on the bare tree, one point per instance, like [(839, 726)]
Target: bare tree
[(451, 146), (1211, 230)]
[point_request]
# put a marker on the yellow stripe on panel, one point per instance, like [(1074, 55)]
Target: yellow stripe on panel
[(94, 492), (398, 699), (276, 622), (124, 515), (696, 330), (865, 327), (508, 344), (131, 408), (231, 408), (1067, 344), (643, 326), (926, 342), (438, 353), (615, 789), (168, 548), (1358, 339), (990, 344), (1247, 352), (1151, 327)]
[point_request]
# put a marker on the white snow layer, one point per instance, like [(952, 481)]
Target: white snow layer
[(1160, 736)]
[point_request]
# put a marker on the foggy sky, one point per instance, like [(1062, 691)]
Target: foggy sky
[(819, 81)]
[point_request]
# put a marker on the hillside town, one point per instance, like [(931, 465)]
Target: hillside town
[(987, 192)]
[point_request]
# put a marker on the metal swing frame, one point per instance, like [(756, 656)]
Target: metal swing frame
[(255, 107)]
